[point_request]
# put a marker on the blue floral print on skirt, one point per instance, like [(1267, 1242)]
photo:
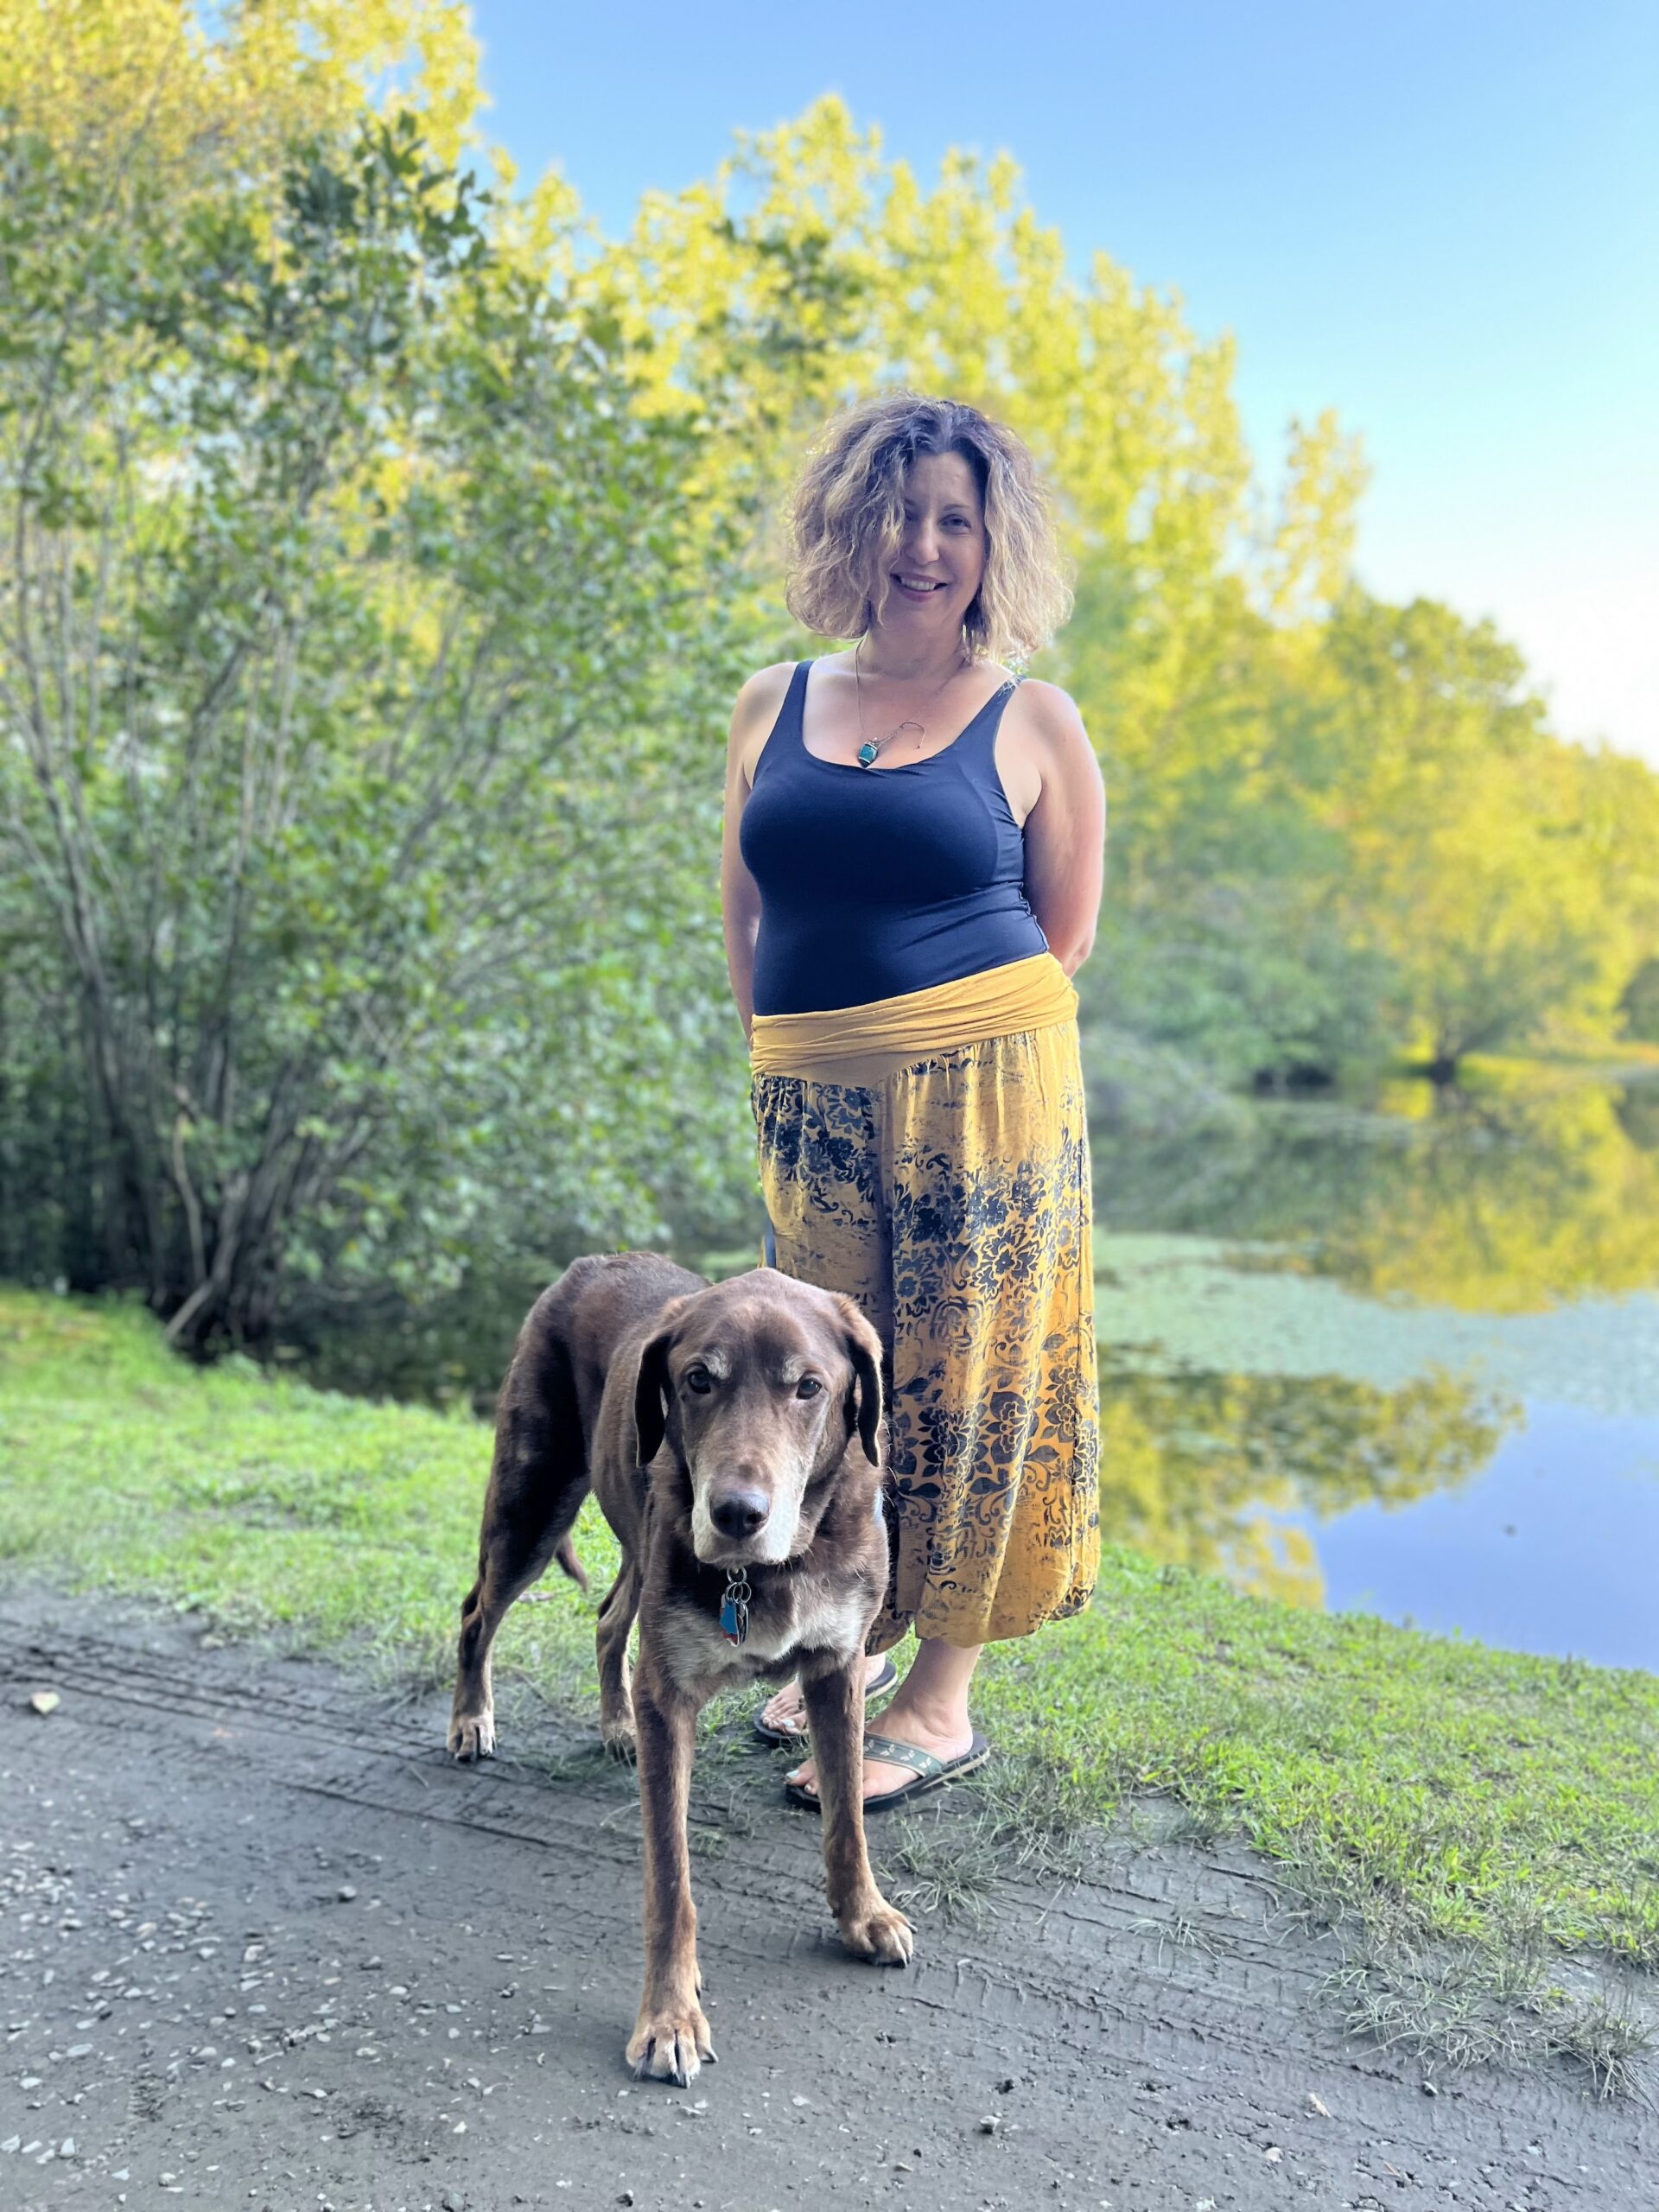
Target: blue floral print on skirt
[(951, 1200)]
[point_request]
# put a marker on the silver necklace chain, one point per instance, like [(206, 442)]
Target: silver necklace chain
[(869, 748)]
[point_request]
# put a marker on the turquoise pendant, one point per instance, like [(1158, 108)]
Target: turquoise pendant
[(866, 751)]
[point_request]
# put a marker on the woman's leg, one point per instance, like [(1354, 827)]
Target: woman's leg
[(929, 1709), (787, 1708), (995, 1409), (995, 1413)]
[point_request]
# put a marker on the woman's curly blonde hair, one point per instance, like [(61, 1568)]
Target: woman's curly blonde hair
[(848, 516)]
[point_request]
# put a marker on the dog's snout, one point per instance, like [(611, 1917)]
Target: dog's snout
[(739, 1512)]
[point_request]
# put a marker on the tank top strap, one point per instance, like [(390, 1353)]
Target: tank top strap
[(794, 711), (786, 739)]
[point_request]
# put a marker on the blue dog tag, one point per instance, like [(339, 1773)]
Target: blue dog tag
[(735, 1607)]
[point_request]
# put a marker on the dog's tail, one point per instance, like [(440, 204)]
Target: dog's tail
[(566, 1555)]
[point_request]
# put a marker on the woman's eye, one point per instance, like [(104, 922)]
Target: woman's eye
[(808, 1387), (699, 1379)]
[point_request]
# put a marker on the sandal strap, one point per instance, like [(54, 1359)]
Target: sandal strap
[(887, 1750)]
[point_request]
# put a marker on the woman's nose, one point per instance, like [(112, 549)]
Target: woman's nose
[(923, 546)]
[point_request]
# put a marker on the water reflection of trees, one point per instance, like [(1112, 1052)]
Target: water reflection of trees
[(1500, 1200), (1195, 1464), (1637, 1108)]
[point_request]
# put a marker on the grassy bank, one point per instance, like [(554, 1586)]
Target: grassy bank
[(1478, 1824)]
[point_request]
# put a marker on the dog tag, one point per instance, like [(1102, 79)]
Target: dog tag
[(735, 1607)]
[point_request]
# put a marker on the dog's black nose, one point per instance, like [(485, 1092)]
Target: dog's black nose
[(739, 1512)]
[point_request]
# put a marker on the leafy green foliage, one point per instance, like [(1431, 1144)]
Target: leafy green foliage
[(353, 632)]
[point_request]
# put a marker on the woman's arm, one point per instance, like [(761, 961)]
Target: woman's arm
[(1065, 830), (756, 710)]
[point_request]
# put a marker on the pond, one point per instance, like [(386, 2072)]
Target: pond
[(1398, 1355)]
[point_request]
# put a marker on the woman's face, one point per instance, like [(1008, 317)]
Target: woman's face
[(941, 556)]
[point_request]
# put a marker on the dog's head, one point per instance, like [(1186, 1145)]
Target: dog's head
[(761, 1384)]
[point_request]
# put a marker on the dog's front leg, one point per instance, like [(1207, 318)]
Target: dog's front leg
[(835, 1712), (670, 2037)]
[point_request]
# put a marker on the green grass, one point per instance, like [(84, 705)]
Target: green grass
[(1470, 1820)]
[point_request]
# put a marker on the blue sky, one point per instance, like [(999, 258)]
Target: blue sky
[(1443, 221)]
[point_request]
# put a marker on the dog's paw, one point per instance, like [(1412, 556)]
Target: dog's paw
[(879, 1932), (471, 1737), (619, 1740), (670, 2045)]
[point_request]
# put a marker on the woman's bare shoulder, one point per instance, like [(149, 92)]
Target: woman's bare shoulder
[(1050, 722), (1051, 706), (1045, 745), (765, 686), (755, 712)]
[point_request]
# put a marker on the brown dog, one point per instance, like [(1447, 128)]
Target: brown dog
[(731, 1434)]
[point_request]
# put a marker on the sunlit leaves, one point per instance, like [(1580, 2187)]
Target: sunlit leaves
[(337, 790)]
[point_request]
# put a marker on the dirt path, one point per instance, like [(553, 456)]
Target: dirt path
[(264, 1946)]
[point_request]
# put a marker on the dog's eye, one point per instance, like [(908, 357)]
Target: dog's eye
[(808, 1387), (699, 1379)]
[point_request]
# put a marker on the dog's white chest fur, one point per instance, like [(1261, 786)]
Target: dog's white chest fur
[(825, 1618), (822, 1617)]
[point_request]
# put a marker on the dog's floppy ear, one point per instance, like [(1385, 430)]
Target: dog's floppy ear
[(864, 1399), (650, 1388)]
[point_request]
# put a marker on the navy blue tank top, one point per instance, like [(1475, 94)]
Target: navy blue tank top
[(878, 880)]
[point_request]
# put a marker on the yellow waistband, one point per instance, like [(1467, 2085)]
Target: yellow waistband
[(862, 1043)]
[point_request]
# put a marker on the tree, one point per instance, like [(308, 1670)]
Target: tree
[(1469, 862), (348, 621), (114, 84)]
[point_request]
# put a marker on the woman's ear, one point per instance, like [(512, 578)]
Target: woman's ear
[(864, 1393), (650, 1388)]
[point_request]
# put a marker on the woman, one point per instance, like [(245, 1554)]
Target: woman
[(911, 872)]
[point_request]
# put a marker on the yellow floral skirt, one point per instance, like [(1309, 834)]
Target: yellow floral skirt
[(940, 1178)]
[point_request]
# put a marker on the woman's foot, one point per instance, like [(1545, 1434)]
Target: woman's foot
[(945, 1731), (786, 1711)]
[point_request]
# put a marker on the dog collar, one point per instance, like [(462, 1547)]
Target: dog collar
[(734, 1606)]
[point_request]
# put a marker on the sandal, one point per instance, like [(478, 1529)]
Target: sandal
[(885, 1680), (931, 1773)]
